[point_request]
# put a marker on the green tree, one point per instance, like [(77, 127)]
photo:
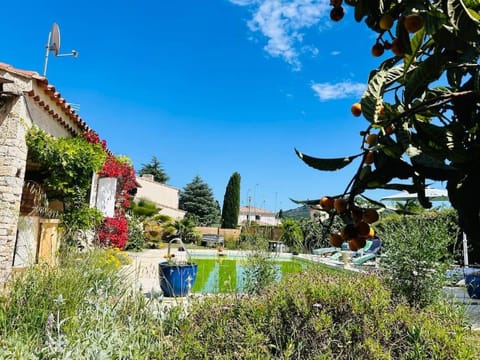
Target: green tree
[(280, 214), (185, 229), (144, 208), (311, 234), (422, 105), (197, 199), (231, 203), (292, 234), (154, 168)]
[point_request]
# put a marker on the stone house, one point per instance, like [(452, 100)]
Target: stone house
[(164, 196), (26, 99)]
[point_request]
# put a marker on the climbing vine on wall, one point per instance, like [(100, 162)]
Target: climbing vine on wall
[(67, 165)]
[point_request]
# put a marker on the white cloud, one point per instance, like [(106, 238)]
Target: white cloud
[(243, 2), (335, 53), (341, 90), (284, 24)]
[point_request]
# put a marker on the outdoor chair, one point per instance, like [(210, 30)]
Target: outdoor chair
[(369, 253)]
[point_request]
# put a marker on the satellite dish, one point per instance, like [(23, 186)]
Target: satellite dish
[(54, 44)]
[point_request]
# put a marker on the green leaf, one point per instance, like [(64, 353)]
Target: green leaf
[(379, 80), (326, 164), (431, 167), (401, 187), (404, 37), (306, 202), (364, 172), (472, 4), (467, 26), (416, 43), (361, 10), (388, 146), (434, 20), (430, 131), (374, 202), (441, 142), (426, 72)]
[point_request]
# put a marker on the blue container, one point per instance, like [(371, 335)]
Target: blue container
[(177, 279), (472, 282)]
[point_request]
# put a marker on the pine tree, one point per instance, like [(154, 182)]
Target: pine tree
[(154, 168), (231, 203), (197, 200)]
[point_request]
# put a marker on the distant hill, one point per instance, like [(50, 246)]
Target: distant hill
[(302, 212)]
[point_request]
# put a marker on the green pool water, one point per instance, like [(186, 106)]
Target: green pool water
[(226, 275)]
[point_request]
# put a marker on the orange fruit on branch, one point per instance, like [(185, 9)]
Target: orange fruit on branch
[(369, 158), (349, 232), (327, 202), (370, 216), (389, 130), (371, 139), (377, 50), (356, 244), (397, 47), (413, 23), (357, 214), (340, 204), (363, 229), (386, 22), (335, 240), (336, 3), (356, 109), (337, 13)]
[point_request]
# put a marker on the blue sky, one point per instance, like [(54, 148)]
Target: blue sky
[(208, 87)]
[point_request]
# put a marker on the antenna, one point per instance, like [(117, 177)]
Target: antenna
[(53, 45)]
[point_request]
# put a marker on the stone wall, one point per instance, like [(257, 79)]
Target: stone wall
[(13, 155)]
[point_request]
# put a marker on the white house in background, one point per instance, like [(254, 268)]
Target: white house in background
[(257, 215), (166, 197)]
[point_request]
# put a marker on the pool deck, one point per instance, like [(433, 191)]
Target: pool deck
[(144, 274)]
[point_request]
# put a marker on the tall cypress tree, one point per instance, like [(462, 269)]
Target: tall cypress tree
[(231, 203), (197, 200)]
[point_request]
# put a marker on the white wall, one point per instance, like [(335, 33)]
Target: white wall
[(166, 197)]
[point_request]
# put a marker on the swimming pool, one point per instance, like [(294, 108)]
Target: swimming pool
[(218, 274)]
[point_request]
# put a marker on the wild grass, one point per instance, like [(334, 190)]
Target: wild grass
[(87, 309)]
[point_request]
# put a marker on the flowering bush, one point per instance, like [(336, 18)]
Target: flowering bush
[(123, 171), (93, 138), (114, 231)]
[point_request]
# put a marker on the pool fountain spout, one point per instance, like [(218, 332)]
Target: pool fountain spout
[(179, 240)]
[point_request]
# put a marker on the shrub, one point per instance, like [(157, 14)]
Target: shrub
[(416, 254), (136, 236), (323, 315), (37, 289), (253, 241), (114, 232), (83, 309), (259, 272), (86, 309)]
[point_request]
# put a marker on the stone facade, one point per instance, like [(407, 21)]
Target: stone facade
[(13, 155), (26, 99)]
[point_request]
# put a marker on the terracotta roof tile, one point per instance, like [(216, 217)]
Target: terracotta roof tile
[(54, 95)]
